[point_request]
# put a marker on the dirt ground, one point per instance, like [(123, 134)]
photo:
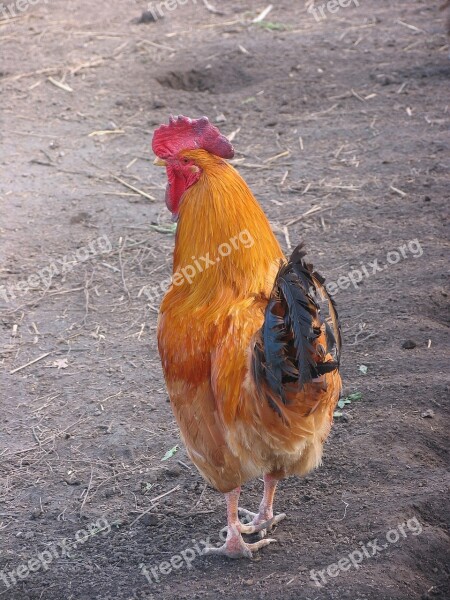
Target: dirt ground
[(340, 129)]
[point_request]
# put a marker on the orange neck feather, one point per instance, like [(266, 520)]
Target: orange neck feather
[(220, 210)]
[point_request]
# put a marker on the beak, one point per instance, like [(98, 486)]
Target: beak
[(159, 162)]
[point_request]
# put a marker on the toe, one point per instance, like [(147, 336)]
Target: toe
[(243, 551), (235, 547), (247, 515), (260, 544), (257, 526), (277, 518)]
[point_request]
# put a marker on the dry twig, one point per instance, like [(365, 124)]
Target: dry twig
[(29, 363)]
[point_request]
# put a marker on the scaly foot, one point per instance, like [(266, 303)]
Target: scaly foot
[(261, 522), (255, 523), (235, 547)]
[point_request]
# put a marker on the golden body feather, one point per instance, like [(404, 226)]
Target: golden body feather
[(206, 330)]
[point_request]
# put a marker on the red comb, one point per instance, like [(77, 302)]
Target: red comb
[(183, 133)]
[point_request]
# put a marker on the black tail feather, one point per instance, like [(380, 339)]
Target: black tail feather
[(285, 356)]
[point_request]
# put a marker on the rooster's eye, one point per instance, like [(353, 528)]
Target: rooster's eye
[(186, 161)]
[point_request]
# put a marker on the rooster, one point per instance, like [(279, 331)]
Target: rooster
[(250, 360)]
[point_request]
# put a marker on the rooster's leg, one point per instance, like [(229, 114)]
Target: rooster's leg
[(234, 546), (264, 519)]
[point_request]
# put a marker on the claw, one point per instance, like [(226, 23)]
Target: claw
[(264, 525), (255, 524), (260, 523), (238, 548), (247, 514)]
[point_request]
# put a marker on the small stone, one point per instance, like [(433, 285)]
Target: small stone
[(221, 118), (72, 481), (385, 80), (80, 217), (173, 471), (427, 414), (149, 520), (409, 344), (347, 417), (147, 17)]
